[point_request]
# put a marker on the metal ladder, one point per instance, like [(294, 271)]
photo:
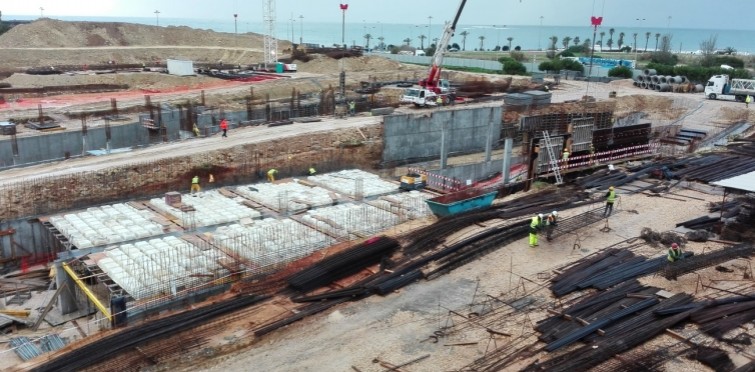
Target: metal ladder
[(553, 162)]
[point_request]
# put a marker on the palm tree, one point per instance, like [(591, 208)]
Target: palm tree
[(367, 38), (621, 39), (422, 41), (609, 43), (565, 42), (610, 37), (382, 44), (602, 33), (635, 41), (576, 40), (647, 38), (482, 42), (464, 39), (408, 41), (587, 44), (554, 41), (657, 36), (510, 39)]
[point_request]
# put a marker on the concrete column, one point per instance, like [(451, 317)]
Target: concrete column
[(66, 299), (508, 145), (443, 148), (489, 140)]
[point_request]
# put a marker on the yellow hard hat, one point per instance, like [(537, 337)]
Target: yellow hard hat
[(610, 188)]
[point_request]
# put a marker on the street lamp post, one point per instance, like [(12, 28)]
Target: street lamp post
[(639, 20), (344, 7), (301, 29), (540, 34), (41, 12), (235, 29), (429, 25), (157, 18)]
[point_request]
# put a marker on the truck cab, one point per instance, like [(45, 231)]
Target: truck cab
[(422, 97), (717, 86)]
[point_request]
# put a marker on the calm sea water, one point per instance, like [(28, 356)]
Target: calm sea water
[(527, 37)]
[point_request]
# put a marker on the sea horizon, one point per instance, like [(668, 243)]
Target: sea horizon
[(527, 37)]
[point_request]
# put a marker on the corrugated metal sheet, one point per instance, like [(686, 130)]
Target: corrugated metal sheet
[(743, 182)]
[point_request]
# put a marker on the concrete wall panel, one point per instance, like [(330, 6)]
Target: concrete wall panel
[(417, 136)]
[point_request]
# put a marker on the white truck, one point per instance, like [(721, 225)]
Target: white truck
[(720, 87)]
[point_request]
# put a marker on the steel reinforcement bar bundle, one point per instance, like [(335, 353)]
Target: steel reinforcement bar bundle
[(620, 335), (126, 339), (606, 269), (697, 262), (344, 263)]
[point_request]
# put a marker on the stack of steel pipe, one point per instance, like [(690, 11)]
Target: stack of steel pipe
[(344, 263)]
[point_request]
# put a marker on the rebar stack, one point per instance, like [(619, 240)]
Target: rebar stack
[(625, 335), (343, 264), (115, 343), (692, 264)]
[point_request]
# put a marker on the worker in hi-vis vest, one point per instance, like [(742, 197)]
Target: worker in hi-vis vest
[(195, 184)]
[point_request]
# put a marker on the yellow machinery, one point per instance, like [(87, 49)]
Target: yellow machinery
[(413, 181)]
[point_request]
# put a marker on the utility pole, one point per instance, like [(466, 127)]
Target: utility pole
[(301, 29), (157, 18), (235, 29), (41, 12), (342, 75), (344, 7), (539, 34), (429, 26)]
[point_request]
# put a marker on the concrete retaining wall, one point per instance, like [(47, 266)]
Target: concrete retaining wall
[(420, 136)]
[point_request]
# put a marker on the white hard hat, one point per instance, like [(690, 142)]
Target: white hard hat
[(540, 215), (555, 213)]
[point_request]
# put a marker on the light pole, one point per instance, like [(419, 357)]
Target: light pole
[(301, 29), (540, 34), (639, 20), (235, 29), (429, 25), (157, 18), (41, 12), (344, 7), (668, 24)]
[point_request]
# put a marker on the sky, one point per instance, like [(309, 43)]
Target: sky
[(697, 14)]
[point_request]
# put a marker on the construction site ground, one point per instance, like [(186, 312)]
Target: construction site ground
[(395, 328)]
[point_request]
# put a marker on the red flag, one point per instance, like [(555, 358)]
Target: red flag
[(344, 6), (596, 21)]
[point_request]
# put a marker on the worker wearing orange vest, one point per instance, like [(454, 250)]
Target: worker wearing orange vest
[(224, 127)]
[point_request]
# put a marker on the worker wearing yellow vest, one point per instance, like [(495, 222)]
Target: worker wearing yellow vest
[(565, 155), (312, 171), (610, 198), (271, 174), (674, 253), (535, 225), (195, 184), (747, 101)]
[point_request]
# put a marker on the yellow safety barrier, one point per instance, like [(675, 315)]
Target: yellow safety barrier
[(88, 292)]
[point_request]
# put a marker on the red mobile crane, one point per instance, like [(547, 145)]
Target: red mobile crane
[(433, 86)]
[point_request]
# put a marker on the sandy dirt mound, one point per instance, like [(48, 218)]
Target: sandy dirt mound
[(51, 33), (140, 80), (321, 64), (655, 106)]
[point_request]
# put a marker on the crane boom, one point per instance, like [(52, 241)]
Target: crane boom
[(431, 82)]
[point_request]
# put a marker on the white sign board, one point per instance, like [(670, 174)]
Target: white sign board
[(180, 68)]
